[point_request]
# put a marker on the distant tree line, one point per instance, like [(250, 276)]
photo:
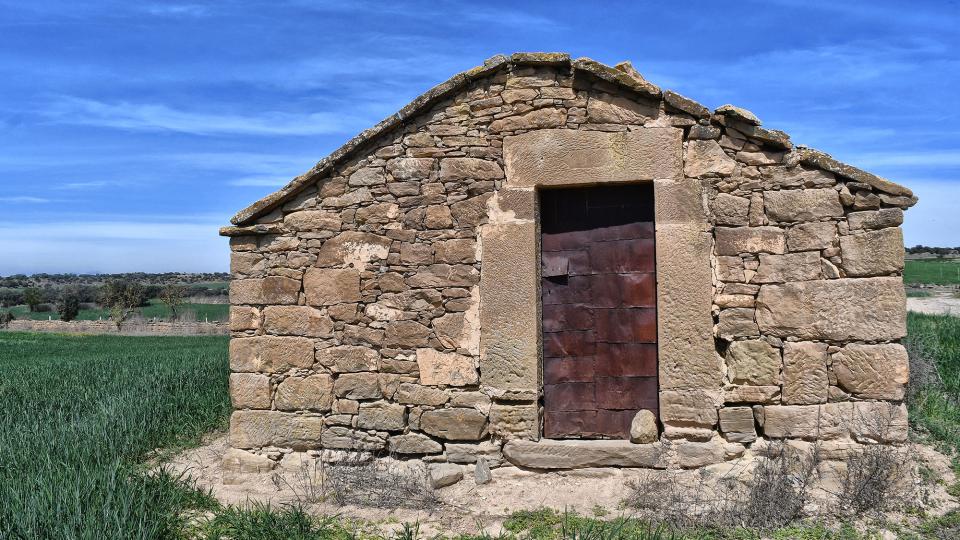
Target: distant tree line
[(938, 251), (22, 281)]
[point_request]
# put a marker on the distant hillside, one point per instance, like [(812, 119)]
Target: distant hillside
[(19, 281)]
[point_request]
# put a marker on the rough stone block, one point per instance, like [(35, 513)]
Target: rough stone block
[(456, 424), (730, 210), (737, 240), (329, 286), (803, 266), (348, 358), (414, 443), (805, 380), (573, 454), (358, 386), (869, 309), (737, 424), (462, 168), (355, 249), (689, 408), (269, 354), (872, 371), (643, 428), (753, 362), (706, 157), (515, 421), (566, 157), (382, 416), (879, 422), (256, 429), (811, 236), (236, 462), (751, 394), (608, 109), (679, 202), (802, 204), (873, 253), (269, 290), (297, 321), (538, 119), (415, 394), (737, 322), (692, 455), (469, 453), (446, 369), (875, 219), (249, 391), (809, 422), (244, 318), (444, 474), (344, 438), (313, 220), (314, 392), (457, 251)]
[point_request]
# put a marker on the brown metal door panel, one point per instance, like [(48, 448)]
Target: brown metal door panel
[(598, 268)]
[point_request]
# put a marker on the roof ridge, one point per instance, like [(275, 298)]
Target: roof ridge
[(623, 74)]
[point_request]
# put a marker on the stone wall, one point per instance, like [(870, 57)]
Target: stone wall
[(382, 301)]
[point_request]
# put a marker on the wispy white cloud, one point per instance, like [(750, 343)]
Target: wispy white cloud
[(159, 117), (24, 199), (177, 10), (84, 186)]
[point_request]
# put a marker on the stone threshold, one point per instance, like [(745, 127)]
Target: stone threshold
[(577, 454)]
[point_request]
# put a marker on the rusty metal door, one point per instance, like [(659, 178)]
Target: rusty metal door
[(598, 288)]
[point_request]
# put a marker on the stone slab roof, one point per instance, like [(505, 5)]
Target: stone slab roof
[(623, 75)]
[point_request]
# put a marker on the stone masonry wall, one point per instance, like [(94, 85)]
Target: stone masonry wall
[(356, 303)]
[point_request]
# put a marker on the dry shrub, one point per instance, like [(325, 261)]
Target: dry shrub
[(774, 494), (876, 479), (358, 478)]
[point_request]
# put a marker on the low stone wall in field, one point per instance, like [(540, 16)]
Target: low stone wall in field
[(131, 328)]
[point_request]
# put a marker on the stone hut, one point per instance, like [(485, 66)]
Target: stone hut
[(551, 263)]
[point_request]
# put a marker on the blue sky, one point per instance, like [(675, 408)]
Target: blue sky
[(130, 131)]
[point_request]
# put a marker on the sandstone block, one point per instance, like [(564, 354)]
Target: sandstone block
[(354, 248), (244, 263), (805, 379), (413, 443), (454, 424), (706, 157), (751, 394), (270, 354), (809, 422), (643, 428), (872, 371), (509, 319), (684, 300), (577, 454), (457, 169), (753, 362), (445, 369), (689, 407), (691, 454), (736, 240), (537, 119), (458, 251), (314, 392), (313, 220), (382, 416), (730, 210), (737, 322), (737, 424), (329, 286), (415, 394), (811, 236), (730, 269), (875, 219), (344, 438), (249, 391), (348, 358), (405, 334), (871, 309), (803, 266), (873, 253), (515, 421), (471, 452), (236, 461), (879, 422), (607, 109), (566, 157), (269, 290), (407, 168), (445, 275), (297, 321), (802, 204), (358, 386), (244, 318), (256, 429)]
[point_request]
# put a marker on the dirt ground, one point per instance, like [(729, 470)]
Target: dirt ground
[(942, 302), (466, 507)]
